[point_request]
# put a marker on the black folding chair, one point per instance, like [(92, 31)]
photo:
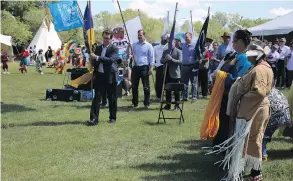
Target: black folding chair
[(173, 87)]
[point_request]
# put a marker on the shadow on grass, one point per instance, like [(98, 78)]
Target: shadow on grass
[(154, 123), (282, 140), (280, 154), (137, 109), (187, 165), (11, 125), (6, 108)]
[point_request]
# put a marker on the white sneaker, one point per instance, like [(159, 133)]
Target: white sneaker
[(42, 73), (8, 72), (4, 72)]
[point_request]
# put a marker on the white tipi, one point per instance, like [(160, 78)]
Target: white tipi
[(45, 38)]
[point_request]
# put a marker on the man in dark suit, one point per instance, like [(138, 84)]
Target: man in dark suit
[(172, 61), (105, 77)]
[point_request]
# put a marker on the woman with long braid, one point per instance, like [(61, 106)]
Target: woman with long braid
[(235, 66)]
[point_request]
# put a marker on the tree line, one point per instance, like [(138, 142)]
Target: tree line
[(21, 20)]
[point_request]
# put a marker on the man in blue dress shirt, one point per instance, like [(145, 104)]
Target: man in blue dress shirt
[(222, 48), (190, 66), (143, 54)]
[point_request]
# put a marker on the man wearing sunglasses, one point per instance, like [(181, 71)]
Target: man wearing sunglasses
[(105, 60)]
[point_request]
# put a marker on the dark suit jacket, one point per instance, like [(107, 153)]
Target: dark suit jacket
[(110, 62), (174, 63)]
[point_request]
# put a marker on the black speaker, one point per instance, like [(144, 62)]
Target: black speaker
[(66, 95), (77, 72)]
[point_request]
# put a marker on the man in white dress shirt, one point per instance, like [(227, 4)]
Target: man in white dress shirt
[(283, 51), (273, 58), (158, 50)]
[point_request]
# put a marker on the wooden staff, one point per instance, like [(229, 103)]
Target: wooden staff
[(165, 72)]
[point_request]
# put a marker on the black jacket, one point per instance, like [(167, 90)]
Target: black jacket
[(110, 60)]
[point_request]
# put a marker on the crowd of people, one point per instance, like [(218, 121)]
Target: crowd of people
[(242, 71), (250, 108)]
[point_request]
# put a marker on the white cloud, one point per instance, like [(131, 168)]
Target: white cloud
[(280, 11), (157, 9), (208, 5)]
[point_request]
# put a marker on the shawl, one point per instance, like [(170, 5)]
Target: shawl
[(210, 124)]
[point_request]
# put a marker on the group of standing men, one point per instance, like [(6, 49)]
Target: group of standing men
[(183, 66)]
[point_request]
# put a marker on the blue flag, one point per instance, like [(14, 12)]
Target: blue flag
[(65, 15), (172, 35), (201, 41), (88, 28)]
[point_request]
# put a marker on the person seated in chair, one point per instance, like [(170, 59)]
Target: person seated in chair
[(172, 62)]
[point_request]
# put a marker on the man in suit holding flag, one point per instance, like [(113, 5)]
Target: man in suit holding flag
[(105, 78)]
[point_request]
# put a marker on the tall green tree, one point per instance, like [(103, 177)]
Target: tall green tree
[(12, 26)]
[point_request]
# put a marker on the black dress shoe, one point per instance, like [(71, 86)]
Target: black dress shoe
[(92, 122), (167, 107), (112, 121)]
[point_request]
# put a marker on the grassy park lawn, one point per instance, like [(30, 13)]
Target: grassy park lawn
[(43, 140)]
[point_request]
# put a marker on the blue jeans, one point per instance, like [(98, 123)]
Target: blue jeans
[(264, 148), (187, 74)]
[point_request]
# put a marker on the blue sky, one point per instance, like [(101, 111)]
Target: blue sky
[(158, 8)]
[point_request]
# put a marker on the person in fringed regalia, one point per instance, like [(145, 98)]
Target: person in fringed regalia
[(4, 61), (60, 57), (24, 60), (235, 65), (39, 62), (249, 110)]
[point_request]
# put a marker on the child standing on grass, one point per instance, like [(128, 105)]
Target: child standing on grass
[(39, 61), (4, 61)]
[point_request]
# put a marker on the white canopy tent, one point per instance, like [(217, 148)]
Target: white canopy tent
[(6, 45), (45, 38), (281, 25)]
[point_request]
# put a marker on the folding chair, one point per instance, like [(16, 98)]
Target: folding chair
[(172, 87)]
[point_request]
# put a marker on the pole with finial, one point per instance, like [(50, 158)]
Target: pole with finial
[(166, 66)]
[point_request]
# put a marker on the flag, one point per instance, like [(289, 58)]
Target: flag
[(65, 15), (132, 26), (229, 48), (200, 44), (172, 36), (166, 25), (88, 28)]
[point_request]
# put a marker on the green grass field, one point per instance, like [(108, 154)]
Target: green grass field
[(43, 140)]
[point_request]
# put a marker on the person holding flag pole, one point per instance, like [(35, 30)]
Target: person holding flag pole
[(172, 58), (105, 60)]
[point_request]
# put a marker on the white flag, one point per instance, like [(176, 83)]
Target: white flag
[(229, 48), (133, 25), (166, 26)]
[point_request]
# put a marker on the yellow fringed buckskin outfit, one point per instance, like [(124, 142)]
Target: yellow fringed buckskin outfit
[(210, 124)]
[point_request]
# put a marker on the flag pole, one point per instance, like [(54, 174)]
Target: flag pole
[(125, 28), (165, 71), (168, 17), (191, 22)]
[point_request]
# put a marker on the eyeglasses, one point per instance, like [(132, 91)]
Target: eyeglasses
[(235, 40), (215, 45), (106, 38)]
